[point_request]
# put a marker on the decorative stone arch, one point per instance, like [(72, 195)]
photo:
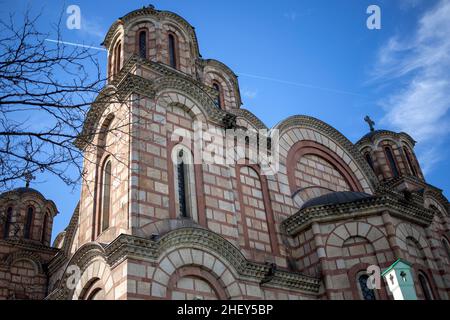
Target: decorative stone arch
[(305, 147), (214, 69), (249, 117), (300, 128), (198, 109), (405, 230), (197, 272), (162, 227), (431, 200), (228, 98), (98, 273), (29, 256), (111, 48), (132, 31), (90, 258), (208, 265), (347, 230)]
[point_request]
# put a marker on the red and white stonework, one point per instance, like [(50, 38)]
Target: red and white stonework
[(219, 231)]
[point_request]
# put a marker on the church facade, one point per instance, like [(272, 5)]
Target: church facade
[(153, 222)]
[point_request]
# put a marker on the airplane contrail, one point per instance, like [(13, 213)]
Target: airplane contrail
[(298, 84), (76, 44)]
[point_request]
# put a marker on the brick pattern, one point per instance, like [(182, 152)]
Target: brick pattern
[(192, 288), (254, 210), (314, 171)]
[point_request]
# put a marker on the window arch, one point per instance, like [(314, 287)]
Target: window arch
[(117, 57), (172, 42), (142, 43), (106, 195), (391, 161), (369, 159), (28, 222), (184, 183), (446, 247), (425, 286), (44, 228), (219, 100), (412, 168), (8, 220), (366, 292)]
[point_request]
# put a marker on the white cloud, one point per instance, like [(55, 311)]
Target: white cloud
[(92, 28), (420, 65), (250, 94)]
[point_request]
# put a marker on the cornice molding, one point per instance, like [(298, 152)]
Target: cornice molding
[(397, 206), (128, 246)]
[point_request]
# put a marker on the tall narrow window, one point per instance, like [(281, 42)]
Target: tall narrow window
[(367, 294), (172, 51), (118, 57), (44, 229), (143, 44), (369, 159), (181, 171), (425, 285), (8, 219), (392, 162), (28, 223), (106, 195), (446, 248), (219, 97), (408, 158)]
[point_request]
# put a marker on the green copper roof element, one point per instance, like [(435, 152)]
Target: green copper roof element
[(394, 264)]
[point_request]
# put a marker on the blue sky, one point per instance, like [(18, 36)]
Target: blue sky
[(310, 57)]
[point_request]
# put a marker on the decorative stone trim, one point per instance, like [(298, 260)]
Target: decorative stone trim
[(28, 255), (365, 207), (250, 117), (126, 246), (373, 136), (332, 134)]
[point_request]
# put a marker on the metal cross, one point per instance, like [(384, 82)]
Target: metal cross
[(28, 177), (370, 122)]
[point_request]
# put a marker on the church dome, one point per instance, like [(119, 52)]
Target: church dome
[(335, 198)]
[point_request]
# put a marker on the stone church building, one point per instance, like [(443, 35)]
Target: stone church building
[(153, 224)]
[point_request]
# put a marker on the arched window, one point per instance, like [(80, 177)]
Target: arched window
[(8, 219), (184, 183), (446, 248), (410, 164), (28, 223), (106, 195), (392, 163), (44, 229), (117, 58), (366, 293), (172, 51), (182, 188), (218, 100), (142, 40), (369, 159), (425, 286)]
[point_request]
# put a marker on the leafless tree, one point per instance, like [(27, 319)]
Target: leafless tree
[(46, 90)]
